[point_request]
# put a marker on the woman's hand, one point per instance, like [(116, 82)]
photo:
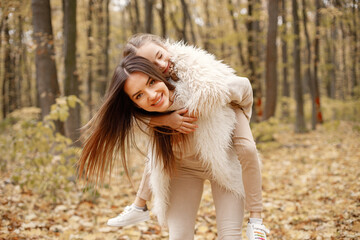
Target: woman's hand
[(178, 120), (181, 121)]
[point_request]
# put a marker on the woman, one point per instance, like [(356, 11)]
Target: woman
[(179, 163), (195, 67)]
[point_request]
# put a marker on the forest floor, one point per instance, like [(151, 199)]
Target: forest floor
[(311, 190)]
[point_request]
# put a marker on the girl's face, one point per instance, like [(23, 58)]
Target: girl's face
[(147, 93), (157, 55)]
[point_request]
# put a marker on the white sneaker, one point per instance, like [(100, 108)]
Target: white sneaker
[(129, 216), (256, 231)]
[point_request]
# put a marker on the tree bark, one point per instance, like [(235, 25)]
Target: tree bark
[(178, 30), (101, 32), (271, 61), (149, 16), (107, 42), (134, 21), (206, 35), (71, 83), (187, 16), (300, 121), (46, 74), (252, 28), (162, 12), (90, 56), (308, 66), (137, 16), (354, 82), (334, 63), (20, 95), (236, 30), (8, 88), (344, 86), (284, 52), (319, 118)]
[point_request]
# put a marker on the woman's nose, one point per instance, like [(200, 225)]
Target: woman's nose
[(151, 95)]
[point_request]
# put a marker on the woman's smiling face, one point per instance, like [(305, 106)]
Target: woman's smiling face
[(157, 55), (147, 93)]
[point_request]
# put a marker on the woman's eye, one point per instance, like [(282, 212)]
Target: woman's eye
[(160, 56), (138, 96)]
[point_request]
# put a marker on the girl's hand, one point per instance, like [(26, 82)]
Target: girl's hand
[(181, 121), (178, 120)]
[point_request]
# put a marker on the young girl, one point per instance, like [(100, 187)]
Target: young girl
[(179, 163), (195, 67)]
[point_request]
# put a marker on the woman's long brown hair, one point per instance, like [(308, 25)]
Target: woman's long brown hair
[(110, 132)]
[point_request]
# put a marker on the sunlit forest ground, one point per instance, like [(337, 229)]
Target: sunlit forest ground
[(310, 188)]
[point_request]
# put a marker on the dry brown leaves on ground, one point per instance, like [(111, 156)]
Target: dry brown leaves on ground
[(310, 191)]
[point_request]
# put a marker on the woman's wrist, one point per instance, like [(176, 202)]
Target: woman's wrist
[(157, 121)]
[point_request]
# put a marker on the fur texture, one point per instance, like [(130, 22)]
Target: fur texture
[(203, 91)]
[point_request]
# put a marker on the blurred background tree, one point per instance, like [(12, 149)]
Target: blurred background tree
[(53, 48)]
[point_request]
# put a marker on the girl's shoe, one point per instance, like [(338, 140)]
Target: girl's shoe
[(256, 231), (129, 216)]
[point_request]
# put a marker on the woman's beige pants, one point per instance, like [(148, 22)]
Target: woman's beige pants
[(187, 186)]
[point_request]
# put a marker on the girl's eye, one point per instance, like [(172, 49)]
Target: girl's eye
[(152, 82), (138, 96), (160, 56)]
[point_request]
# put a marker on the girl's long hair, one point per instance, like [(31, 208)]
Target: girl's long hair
[(110, 132)]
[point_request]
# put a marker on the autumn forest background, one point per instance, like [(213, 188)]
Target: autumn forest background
[(302, 58)]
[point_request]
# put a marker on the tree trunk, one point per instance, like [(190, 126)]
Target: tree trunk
[(90, 57), (284, 52), (135, 23), (308, 66), (71, 83), (26, 88), (186, 15), (206, 36), (344, 87), (354, 82), (184, 24), (20, 95), (333, 51), (149, 16), (137, 16), (162, 12), (100, 73), (178, 30), (271, 61), (319, 118), (8, 89), (46, 75), (300, 121), (236, 30), (252, 29), (252, 77), (107, 42)]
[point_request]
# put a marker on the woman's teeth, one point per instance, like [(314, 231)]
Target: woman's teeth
[(158, 100)]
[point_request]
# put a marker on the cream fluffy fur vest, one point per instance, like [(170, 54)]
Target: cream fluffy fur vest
[(202, 90)]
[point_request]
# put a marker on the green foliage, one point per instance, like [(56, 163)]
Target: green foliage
[(90, 194), (348, 110), (60, 110), (264, 131), (332, 109), (44, 159)]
